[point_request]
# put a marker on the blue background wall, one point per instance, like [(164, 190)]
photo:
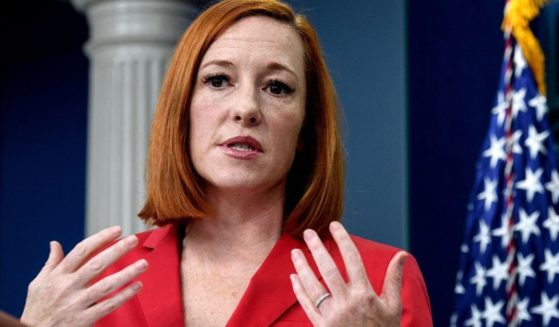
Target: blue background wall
[(365, 47), (43, 112), (455, 52), (416, 80)]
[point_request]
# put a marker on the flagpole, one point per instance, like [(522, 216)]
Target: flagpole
[(511, 292), (518, 182)]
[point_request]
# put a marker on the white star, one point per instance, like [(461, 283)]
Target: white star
[(483, 236), (552, 223), (489, 194), (519, 62), (551, 265), (534, 141), (492, 312), (522, 311), (547, 308), (459, 289), (518, 103), (553, 186), (475, 319), (479, 278), (453, 320), (495, 151), (500, 109), (531, 184), (540, 103), (527, 225), (505, 231), (516, 148), (499, 272), (524, 268)]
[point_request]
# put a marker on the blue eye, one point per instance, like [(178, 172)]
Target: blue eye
[(216, 80), (278, 88)]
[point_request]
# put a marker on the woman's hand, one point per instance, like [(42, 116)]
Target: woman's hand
[(61, 294), (354, 303)]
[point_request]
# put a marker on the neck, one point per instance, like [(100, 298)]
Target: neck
[(244, 224)]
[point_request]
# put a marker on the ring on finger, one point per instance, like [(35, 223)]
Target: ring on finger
[(321, 299)]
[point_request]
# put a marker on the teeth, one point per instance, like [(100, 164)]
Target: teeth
[(241, 147)]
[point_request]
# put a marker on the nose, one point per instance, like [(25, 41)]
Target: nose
[(246, 110)]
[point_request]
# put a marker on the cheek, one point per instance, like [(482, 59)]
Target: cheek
[(201, 125), (287, 134)]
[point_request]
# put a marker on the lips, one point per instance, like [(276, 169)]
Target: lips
[(242, 147)]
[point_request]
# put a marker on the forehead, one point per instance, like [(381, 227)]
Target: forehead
[(259, 37)]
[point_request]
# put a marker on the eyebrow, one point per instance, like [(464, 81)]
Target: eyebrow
[(222, 63), (277, 66), (274, 66)]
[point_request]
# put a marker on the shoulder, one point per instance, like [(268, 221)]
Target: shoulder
[(147, 242), (416, 308), (160, 297), (376, 257), (374, 252)]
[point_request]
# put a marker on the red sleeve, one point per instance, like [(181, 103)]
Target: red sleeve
[(416, 309)]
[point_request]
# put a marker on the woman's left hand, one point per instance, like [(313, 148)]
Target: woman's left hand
[(354, 303)]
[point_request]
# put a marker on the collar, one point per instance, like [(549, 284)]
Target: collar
[(268, 295)]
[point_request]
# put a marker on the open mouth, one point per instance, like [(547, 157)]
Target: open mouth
[(241, 147), (243, 143)]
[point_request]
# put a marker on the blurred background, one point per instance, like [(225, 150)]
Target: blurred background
[(416, 80)]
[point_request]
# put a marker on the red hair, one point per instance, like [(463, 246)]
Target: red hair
[(315, 183)]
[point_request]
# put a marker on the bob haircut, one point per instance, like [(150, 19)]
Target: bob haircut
[(315, 182)]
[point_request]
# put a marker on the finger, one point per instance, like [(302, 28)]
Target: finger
[(113, 282), (108, 256), (56, 254), (305, 274), (103, 308), (392, 289), (306, 303), (325, 264), (86, 247), (352, 259)]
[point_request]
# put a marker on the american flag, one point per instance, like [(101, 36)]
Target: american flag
[(509, 265)]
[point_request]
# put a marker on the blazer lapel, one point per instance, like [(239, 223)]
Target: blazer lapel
[(269, 293), (161, 298)]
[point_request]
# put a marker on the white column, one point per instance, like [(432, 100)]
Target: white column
[(129, 47)]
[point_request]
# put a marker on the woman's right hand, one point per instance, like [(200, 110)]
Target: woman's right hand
[(62, 294)]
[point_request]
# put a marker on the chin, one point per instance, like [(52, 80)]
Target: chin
[(237, 184)]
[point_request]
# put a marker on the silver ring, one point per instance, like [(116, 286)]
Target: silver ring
[(321, 299)]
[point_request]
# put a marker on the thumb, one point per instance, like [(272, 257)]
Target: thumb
[(392, 288), (56, 255)]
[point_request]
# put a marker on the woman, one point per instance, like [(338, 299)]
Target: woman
[(245, 176)]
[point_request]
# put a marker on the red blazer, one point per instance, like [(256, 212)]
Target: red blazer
[(269, 298)]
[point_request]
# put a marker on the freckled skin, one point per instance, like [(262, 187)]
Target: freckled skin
[(250, 54), (251, 82)]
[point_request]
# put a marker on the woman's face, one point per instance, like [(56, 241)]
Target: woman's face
[(248, 106)]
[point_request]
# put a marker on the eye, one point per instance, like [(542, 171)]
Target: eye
[(278, 88), (216, 80)]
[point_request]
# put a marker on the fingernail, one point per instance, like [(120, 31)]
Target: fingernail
[(295, 254), (403, 260), (137, 286), (142, 264), (131, 240), (309, 234), (335, 226), (115, 230)]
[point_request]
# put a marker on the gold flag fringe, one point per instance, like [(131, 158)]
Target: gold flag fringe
[(518, 14)]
